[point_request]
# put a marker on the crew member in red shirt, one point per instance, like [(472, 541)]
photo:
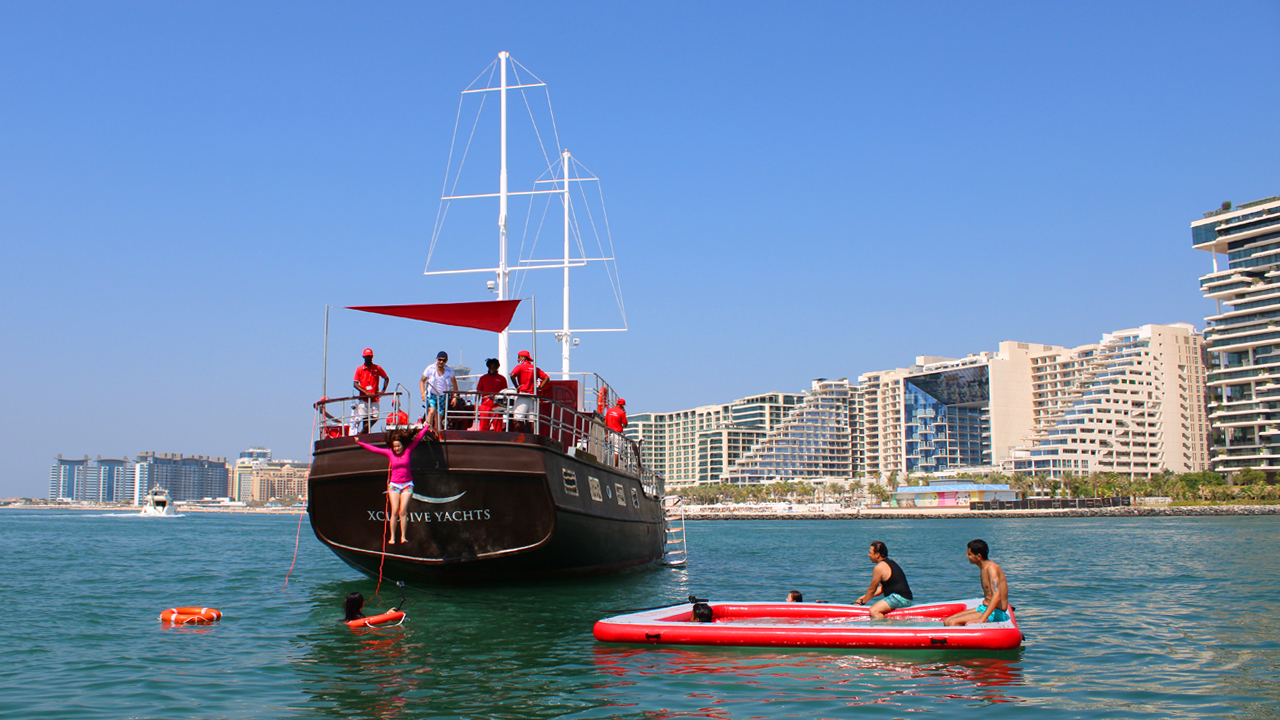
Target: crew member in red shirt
[(366, 384), (528, 380), (616, 420), (488, 384)]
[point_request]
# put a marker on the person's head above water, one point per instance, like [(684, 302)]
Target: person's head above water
[(795, 596), (353, 605), (702, 612)]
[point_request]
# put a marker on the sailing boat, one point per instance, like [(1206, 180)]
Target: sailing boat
[(499, 494)]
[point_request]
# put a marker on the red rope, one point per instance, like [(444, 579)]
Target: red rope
[(385, 525)]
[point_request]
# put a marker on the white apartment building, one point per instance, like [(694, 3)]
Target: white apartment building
[(812, 444), (943, 413), (1132, 404), (696, 445), (1243, 336)]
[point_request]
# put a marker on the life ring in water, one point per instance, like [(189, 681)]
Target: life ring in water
[(190, 615), (391, 617)]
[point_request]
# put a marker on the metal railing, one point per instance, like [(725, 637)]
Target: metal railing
[(506, 411), (342, 416)]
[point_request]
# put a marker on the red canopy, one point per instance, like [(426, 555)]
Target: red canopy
[(492, 315)]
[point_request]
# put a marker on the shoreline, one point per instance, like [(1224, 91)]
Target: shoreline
[(916, 514)]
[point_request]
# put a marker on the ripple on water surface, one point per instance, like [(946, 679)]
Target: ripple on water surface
[(1119, 613)]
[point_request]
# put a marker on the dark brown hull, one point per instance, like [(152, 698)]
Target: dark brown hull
[(488, 506)]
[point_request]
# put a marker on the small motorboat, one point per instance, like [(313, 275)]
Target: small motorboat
[(158, 504), (816, 625)]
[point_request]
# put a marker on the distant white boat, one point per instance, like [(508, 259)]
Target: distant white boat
[(158, 504)]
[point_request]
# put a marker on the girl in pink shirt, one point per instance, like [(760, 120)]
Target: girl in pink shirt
[(400, 484)]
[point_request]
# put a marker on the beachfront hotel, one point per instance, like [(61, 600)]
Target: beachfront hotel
[(697, 445), (97, 481), (944, 414), (1131, 404), (812, 443), (185, 477), (256, 476), (1243, 336)]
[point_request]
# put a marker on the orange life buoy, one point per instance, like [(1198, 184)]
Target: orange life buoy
[(190, 615), (391, 617)]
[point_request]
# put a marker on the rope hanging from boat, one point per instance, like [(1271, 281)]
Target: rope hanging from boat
[(298, 533), (386, 524)]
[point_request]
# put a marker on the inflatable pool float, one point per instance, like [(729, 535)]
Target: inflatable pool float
[(390, 617), (816, 625)]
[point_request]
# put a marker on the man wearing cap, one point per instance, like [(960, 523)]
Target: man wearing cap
[(616, 420), (437, 381), (490, 383), (528, 380), (366, 385)]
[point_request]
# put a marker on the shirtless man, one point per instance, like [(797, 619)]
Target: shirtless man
[(887, 579), (995, 592)]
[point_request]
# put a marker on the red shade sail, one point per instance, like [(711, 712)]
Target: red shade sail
[(492, 315)]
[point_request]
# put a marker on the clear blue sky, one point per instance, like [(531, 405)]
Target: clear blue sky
[(795, 191)]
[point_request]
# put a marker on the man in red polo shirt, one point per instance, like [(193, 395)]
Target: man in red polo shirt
[(366, 385), (488, 385), (528, 380), (616, 420)]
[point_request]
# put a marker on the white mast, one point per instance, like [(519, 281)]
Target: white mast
[(565, 335), (503, 275)]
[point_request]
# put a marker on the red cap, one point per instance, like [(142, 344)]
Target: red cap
[(525, 354), (368, 352), (621, 401)]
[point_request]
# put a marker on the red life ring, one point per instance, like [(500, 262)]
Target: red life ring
[(190, 615), (391, 617)]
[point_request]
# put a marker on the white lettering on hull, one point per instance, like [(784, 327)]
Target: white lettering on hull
[(480, 515)]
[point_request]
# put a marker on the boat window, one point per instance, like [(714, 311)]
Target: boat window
[(622, 495), (594, 485), (570, 482), (635, 498)]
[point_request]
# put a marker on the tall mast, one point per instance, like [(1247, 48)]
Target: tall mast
[(566, 338), (503, 351)]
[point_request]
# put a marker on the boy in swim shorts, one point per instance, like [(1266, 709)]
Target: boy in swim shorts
[(995, 592)]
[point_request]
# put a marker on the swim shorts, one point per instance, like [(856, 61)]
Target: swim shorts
[(996, 615), (400, 487), (896, 601), (437, 402)]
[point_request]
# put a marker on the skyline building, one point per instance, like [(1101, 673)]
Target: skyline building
[(812, 443), (99, 480), (942, 414), (256, 476), (696, 445), (1132, 404), (186, 477), (1243, 337)]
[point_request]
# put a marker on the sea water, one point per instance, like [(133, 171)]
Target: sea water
[(1124, 617)]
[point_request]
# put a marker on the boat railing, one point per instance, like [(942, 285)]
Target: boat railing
[(342, 416), (509, 411)]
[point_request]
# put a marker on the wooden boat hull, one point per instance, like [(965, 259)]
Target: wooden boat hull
[(811, 625), (486, 506)]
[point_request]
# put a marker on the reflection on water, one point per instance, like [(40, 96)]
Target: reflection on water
[(722, 679), (1135, 618)]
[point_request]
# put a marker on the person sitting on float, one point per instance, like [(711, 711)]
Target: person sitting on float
[(400, 480)]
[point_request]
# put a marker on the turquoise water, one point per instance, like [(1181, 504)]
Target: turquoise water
[(1125, 617)]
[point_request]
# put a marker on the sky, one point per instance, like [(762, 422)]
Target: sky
[(794, 191)]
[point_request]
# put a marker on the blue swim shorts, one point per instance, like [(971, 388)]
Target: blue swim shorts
[(996, 615), (896, 601), (438, 402)]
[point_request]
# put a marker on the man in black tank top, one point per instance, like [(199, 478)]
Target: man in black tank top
[(888, 581)]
